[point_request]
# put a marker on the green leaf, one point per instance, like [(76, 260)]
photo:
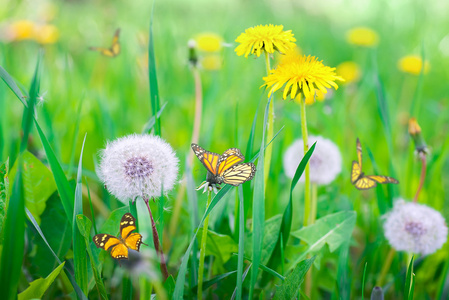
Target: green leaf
[(79, 244), (239, 288), (290, 287), (169, 286), (84, 226), (332, 230), (64, 189), (154, 90), (39, 286), (207, 284), (38, 184), (4, 195), (259, 207), (409, 282), (150, 124), (112, 223), (12, 85), (219, 245), (271, 234)]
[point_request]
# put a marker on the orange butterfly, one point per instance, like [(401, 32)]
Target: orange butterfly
[(119, 245), (114, 50), (362, 181)]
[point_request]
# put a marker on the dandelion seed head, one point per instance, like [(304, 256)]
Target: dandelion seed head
[(138, 165), (325, 162), (415, 228)]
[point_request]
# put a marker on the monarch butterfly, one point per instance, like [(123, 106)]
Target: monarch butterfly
[(224, 168), (114, 50), (119, 245), (362, 181)]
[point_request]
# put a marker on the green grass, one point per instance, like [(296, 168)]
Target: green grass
[(150, 88)]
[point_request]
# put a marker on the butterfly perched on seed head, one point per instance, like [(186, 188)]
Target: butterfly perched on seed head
[(362, 181), (119, 245), (114, 50), (225, 168)]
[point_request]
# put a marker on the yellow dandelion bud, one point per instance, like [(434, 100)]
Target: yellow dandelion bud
[(21, 30), (301, 75), (46, 34), (209, 42), (350, 71), (211, 62), (362, 36), (413, 64), (267, 38), (415, 132)]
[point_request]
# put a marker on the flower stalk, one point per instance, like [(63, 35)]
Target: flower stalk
[(307, 204), (203, 249), (270, 125), (157, 245)]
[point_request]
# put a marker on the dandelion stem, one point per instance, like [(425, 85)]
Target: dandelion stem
[(203, 250), (157, 245), (422, 155), (307, 204), (270, 132), (385, 267), (314, 203)]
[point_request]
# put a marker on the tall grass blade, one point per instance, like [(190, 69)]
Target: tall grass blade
[(12, 85), (79, 244), (409, 282), (150, 124), (241, 244), (39, 286), (154, 90), (259, 208)]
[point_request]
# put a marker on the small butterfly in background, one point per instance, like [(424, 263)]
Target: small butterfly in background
[(362, 181), (119, 245), (114, 50), (225, 168)]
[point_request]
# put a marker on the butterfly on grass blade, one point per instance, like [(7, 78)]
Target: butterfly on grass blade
[(119, 245), (114, 50), (362, 181), (225, 168)]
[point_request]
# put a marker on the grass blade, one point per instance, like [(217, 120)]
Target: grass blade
[(154, 90), (150, 124), (363, 281), (12, 85), (409, 282), (258, 208), (79, 245), (39, 286), (241, 244)]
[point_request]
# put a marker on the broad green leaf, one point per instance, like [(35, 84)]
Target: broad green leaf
[(290, 287), (39, 286), (271, 233), (332, 230), (84, 226), (112, 224), (4, 195), (169, 286), (38, 184), (219, 245)]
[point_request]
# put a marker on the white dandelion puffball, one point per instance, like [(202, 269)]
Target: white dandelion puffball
[(325, 162), (415, 228), (138, 165)]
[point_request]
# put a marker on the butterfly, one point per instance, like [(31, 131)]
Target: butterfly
[(115, 48), (225, 168), (119, 245), (362, 181)]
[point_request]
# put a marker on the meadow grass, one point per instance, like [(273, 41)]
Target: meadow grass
[(59, 106)]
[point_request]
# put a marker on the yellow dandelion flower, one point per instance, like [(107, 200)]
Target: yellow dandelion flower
[(413, 64), (362, 36), (290, 54), (46, 34), (21, 30), (209, 42), (350, 71), (301, 75), (211, 62), (267, 38)]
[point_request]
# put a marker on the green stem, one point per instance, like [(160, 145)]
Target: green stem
[(203, 250), (307, 204), (314, 203), (270, 132), (385, 267), (241, 244)]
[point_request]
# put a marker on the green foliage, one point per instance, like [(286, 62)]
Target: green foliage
[(39, 286), (290, 287), (409, 282), (4, 194), (38, 184)]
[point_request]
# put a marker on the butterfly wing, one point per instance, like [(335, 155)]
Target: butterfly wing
[(127, 225), (115, 48), (355, 172), (119, 251), (107, 241), (365, 183), (238, 174), (229, 158), (133, 241), (207, 158), (104, 51), (382, 179)]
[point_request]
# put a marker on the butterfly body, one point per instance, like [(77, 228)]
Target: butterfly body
[(119, 245), (225, 168), (362, 181), (114, 50)]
